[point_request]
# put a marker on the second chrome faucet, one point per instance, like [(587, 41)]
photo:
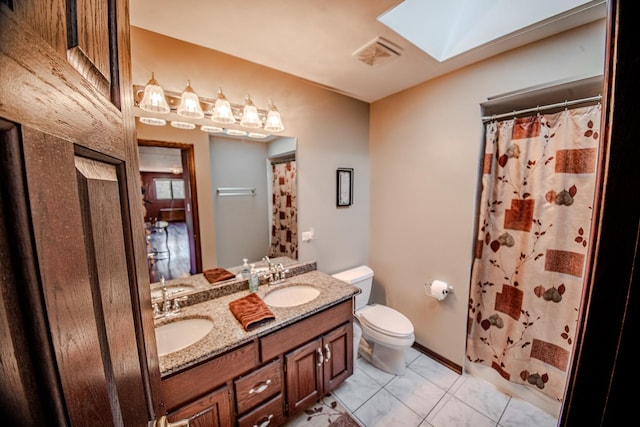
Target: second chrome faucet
[(276, 273)]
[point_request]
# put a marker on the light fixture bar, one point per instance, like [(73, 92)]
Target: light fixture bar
[(269, 119)]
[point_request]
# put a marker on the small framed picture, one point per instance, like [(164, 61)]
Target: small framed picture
[(345, 187)]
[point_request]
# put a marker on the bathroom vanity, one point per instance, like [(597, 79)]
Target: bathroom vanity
[(261, 377)]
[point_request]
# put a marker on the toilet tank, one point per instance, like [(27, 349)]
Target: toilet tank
[(362, 277)]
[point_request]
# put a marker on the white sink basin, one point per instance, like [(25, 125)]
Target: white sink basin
[(290, 296), (175, 336)]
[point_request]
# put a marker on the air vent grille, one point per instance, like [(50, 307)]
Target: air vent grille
[(377, 52)]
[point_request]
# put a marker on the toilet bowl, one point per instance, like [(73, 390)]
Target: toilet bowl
[(384, 333)]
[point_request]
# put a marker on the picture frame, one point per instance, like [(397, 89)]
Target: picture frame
[(344, 186)]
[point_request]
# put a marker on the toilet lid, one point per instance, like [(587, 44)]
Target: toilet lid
[(386, 320)]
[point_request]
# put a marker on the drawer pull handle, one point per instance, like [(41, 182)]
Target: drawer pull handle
[(328, 352), (320, 356), (260, 388), (265, 421)]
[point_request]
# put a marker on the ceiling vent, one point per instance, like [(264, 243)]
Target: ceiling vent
[(377, 52)]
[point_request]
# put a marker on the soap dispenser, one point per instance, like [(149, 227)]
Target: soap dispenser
[(254, 280), (245, 273)]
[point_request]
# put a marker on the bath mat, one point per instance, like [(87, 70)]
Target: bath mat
[(328, 411)]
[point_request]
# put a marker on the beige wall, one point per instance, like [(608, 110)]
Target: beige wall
[(332, 131), (424, 146), (415, 161)]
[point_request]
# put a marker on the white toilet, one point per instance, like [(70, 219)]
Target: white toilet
[(380, 334)]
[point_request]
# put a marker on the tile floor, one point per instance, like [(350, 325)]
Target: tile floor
[(431, 395)]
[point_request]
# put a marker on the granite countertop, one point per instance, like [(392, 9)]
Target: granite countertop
[(227, 333), (197, 289)]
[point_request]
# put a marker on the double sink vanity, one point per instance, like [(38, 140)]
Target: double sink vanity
[(216, 373)]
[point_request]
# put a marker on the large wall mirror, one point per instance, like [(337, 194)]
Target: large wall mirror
[(254, 194)]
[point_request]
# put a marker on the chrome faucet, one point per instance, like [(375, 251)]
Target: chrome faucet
[(277, 272), (166, 306)]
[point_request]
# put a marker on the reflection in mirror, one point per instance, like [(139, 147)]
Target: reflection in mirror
[(254, 196), (167, 175)]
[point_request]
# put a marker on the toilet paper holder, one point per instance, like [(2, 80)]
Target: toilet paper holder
[(438, 289)]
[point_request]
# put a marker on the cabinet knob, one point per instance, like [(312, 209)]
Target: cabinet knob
[(259, 388), (327, 352), (265, 421), (320, 356)]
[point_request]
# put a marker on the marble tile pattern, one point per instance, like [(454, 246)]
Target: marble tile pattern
[(429, 394), (227, 333)]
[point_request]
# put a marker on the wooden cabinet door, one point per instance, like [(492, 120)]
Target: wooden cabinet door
[(212, 410), (81, 350), (338, 356), (304, 375)]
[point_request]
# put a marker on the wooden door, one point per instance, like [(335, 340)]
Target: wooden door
[(79, 349), (338, 356), (304, 375)]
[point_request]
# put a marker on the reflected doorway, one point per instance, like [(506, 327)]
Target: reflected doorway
[(167, 174)]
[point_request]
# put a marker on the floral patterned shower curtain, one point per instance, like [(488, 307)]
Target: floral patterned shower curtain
[(534, 221), (284, 228)]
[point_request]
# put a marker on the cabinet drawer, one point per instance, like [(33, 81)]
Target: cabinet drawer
[(268, 414), (187, 385), (259, 386), (305, 330)]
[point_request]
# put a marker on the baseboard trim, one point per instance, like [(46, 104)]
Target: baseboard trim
[(435, 356)]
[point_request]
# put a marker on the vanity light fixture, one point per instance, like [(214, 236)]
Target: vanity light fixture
[(193, 108), (152, 121), (274, 121), (182, 125), (250, 118), (211, 129), (190, 104), (222, 112), (236, 132), (154, 100)]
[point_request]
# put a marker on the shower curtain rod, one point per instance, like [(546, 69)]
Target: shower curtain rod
[(541, 107)]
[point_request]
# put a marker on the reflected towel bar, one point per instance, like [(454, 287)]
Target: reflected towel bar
[(236, 191)]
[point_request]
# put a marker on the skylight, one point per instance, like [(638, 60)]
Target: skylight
[(447, 28)]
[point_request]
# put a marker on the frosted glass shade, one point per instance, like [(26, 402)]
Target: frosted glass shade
[(274, 121), (153, 99), (190, 104), (222, 112), (250, 117)]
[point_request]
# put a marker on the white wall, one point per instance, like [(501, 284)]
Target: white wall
[(242, 223), (332, 131), (425, 144)]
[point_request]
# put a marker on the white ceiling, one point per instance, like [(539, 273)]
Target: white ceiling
[(316, 39)]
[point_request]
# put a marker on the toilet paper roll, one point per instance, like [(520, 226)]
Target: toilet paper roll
[(438, 289)]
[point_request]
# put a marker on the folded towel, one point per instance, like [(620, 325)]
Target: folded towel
[(251, 311), (214, 275)]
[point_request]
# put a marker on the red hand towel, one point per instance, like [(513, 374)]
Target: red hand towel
[(251, 311), (214, 275)]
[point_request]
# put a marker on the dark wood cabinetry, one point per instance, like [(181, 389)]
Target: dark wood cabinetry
[(259, 386), (211, 410), (318, 367), (266, 381)]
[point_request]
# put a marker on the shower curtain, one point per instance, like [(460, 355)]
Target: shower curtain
[(284, 228), (534, 220)]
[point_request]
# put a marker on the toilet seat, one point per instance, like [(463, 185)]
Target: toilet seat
[(385, 320)]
